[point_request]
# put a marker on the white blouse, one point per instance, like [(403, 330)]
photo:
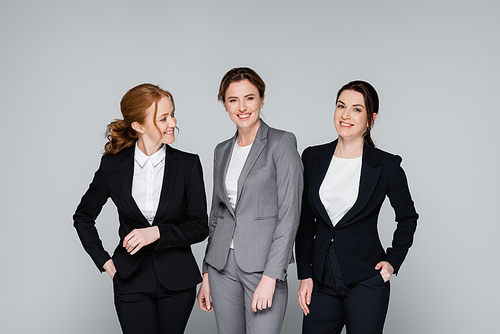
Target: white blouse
[(339, 190), (148, 180), (238, 158)]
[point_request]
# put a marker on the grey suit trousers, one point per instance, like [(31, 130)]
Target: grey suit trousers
[(232, 292)]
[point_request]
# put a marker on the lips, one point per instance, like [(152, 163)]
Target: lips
[(346, 124), (243, 116)]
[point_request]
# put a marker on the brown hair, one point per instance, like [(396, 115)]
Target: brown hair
[(371, 102), (133, 106), (237, 74)]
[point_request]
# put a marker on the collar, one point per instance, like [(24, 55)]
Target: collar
[(155, 158)]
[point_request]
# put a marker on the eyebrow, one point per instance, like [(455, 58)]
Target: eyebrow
[(234, 97), (164, 114), (354, 105)]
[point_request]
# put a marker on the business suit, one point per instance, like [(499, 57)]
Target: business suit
[(181, 218), (265, 219), (353, 243)]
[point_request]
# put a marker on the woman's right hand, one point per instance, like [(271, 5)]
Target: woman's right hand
[(204, 295), (304, 294), (109, 266)]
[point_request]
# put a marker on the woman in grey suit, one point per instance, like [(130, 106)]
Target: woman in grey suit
[(254, 217)]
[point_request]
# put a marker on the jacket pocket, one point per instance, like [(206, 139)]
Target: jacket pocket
[(273, 217)]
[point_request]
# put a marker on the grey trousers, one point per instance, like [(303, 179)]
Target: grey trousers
[(232, 292)]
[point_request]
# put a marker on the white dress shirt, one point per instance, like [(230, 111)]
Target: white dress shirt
[(148, 180), (340, 187)]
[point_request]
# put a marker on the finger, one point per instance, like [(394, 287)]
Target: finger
[(307, 301), (136, 249), (208, 303), (254, 304), (203, 305), (201, 301), (130, 246), (127, 238), (128, 242), (303, 305)]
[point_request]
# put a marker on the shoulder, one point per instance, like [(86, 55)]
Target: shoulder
[(386, 158), (114, 159), (314, 151), (186, 157), (224, 144), (281, 137)]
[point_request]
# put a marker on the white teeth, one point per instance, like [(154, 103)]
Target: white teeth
[(244, 116), (345, 124)]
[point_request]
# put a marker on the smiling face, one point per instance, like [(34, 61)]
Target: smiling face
[(243, 103), (157, 129), (351, 118)]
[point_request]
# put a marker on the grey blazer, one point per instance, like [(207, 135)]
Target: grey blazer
[(266, 218)]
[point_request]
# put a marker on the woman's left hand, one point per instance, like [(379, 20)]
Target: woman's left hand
[(263, 294), (140, 237), (386, 270)]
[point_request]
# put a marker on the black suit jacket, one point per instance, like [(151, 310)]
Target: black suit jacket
[(355, 237), (181, 216)]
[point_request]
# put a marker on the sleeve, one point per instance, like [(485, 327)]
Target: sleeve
[(405, 215), (289, 182), (307, 228), (195, 228), (85, 215)]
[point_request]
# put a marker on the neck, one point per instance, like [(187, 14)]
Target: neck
[(349, 149), (246, 136), (147, 147)]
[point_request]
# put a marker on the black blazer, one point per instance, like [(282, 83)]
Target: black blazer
[(355, 236), (181, 216)]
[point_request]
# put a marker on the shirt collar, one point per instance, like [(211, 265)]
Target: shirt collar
[(155, 158)]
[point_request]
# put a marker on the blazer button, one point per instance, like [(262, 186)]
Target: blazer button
[(331, 240)]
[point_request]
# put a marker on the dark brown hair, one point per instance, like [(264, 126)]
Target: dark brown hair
[(133, 106), (237, 74), (371, 102)]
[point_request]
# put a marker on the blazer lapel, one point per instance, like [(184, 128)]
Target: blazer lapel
[(370, 174), (167, 188), (126, 177), (320, 167), (258, 145), (226, 157)]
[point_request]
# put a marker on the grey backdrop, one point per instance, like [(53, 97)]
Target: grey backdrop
[(66, 64)]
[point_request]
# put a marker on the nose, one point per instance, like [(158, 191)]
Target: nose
[(346, 114), (172, 122), (242, 106)]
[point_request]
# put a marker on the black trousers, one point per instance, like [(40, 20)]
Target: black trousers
[(361, 307), (144, 306)]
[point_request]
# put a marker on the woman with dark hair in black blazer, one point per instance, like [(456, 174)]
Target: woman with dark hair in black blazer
[(344, 270), (160, 197)]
